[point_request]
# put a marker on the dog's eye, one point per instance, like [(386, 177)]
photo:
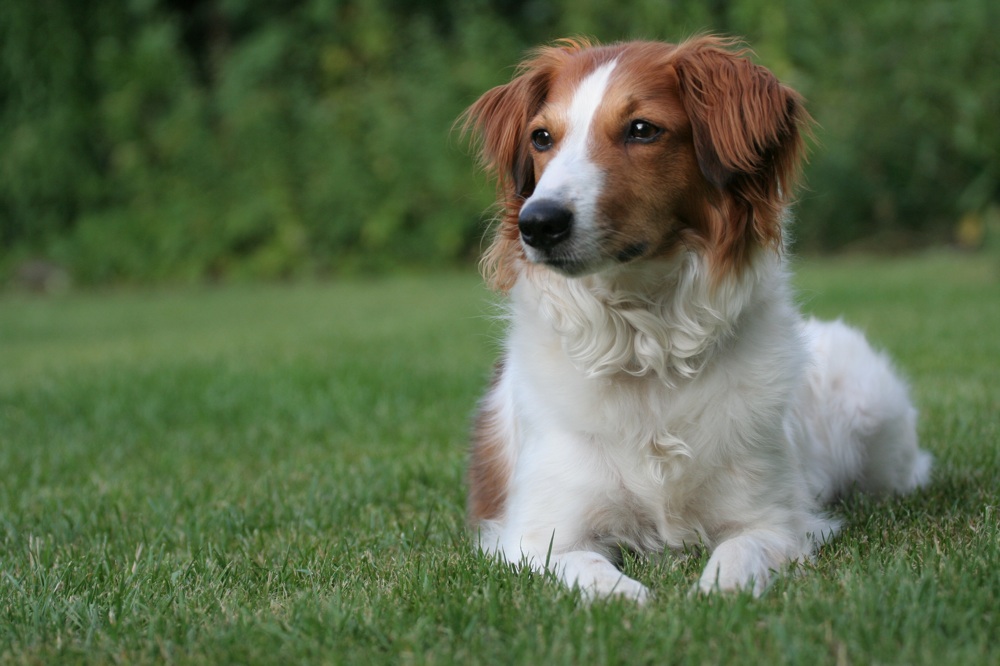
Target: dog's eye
[(541, 139), (643, 131)]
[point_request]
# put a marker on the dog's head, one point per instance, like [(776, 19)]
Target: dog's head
[(607, 155)]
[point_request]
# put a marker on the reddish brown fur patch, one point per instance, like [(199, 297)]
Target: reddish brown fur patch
[(748, 137), (489, 467), (715, 179), (653, 194)]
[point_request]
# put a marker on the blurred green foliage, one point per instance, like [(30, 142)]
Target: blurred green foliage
[(183, 140)]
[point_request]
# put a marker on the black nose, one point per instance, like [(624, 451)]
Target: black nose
[(545, 223)]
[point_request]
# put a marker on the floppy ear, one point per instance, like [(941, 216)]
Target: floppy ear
[(747, 130), (499, 121)]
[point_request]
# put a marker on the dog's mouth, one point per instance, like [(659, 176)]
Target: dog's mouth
[(576, 262), (569, 267), (570, 264)]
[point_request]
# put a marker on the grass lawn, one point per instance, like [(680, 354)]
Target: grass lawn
[(274, 475)]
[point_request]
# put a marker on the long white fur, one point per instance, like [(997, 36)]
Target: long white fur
[(643, 407)]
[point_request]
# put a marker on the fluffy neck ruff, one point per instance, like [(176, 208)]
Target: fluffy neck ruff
[(653, 318)]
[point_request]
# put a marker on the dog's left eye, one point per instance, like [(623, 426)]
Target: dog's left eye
[(542, 140), (643, 131)]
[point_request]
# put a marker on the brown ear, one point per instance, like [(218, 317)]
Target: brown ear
[(499, 120), (747, 131)]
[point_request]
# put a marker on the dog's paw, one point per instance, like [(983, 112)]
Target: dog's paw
[(621, 587), (713, 582), (744, 563), (597, 577), (629, 588)]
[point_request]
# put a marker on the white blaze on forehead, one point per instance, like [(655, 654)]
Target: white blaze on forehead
[(588, 98), (571, 177)]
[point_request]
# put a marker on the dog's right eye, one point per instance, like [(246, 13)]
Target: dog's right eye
[(541, 139), (643, 131)]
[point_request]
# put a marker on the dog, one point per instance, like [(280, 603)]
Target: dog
[(658, 388)]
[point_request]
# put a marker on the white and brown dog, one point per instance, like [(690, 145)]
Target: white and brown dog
[(658, 388)]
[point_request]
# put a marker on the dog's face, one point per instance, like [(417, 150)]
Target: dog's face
[(615, 167), (613, 155)]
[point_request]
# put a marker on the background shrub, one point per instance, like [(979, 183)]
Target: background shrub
[(185, 140)]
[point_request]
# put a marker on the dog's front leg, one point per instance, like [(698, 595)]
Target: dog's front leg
[(596, 576), (549, 529), (590, 571)]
